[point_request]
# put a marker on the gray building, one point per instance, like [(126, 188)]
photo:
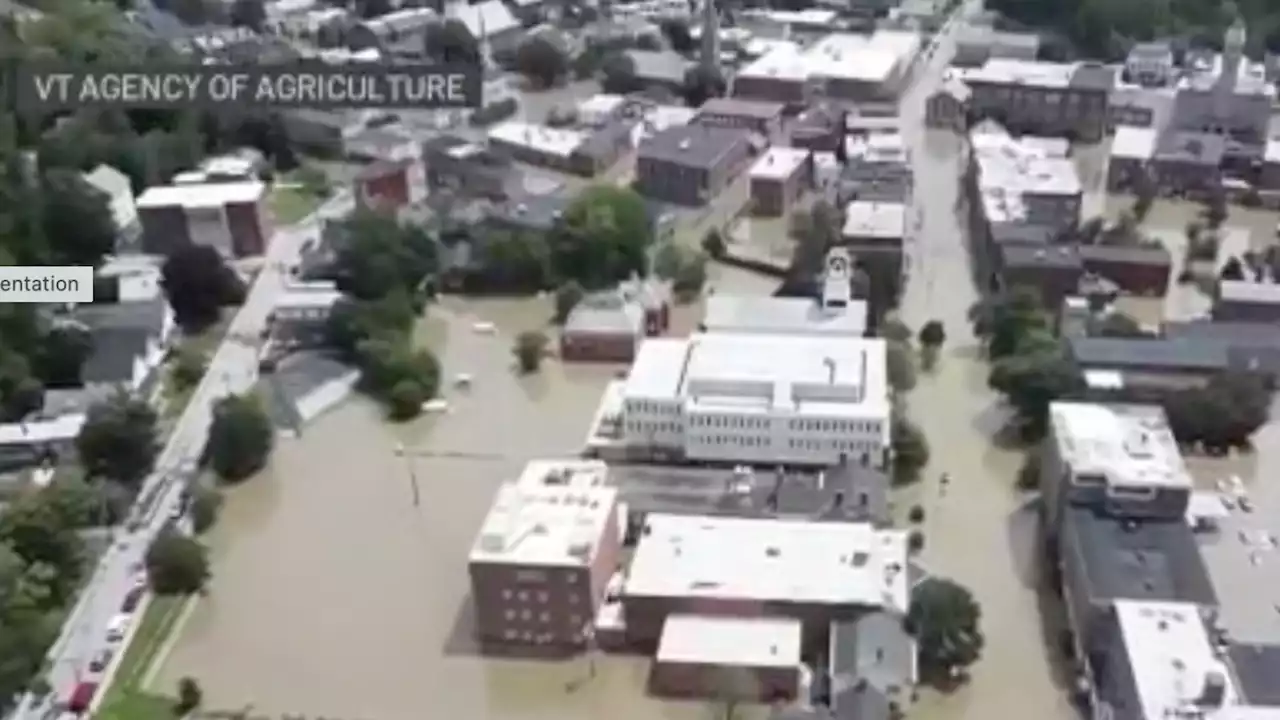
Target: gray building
[(763, 118), (461, 166), (691, 164), (1245, 301), (1042, 98), (659, 68), (400, 34), (976, 44)]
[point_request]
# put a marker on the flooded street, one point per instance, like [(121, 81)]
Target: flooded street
[(334, 596), (980, 532)]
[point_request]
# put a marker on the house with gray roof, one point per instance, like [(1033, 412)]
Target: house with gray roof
[(660, 68), (691, 164), (129, 343)]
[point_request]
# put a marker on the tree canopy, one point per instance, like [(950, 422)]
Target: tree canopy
[(542, 61), (177, 564), (602, 238), (199, 283), (119, 439), (946, 621), (241, 437)]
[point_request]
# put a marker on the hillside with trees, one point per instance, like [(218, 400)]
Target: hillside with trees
[(1105, 29)]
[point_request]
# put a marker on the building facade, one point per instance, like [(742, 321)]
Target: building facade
[(233, 218), (1040, 98), (691, 165), (778, 180)]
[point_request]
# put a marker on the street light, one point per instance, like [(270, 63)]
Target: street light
[(413, 476)]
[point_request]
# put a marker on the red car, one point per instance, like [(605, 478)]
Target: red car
[(82, 697)]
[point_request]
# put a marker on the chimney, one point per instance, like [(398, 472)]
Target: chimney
[(1214, 692)]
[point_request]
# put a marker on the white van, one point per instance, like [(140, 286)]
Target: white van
[(117, 627)]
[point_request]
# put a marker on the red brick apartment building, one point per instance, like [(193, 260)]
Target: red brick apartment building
[(543, 557), (232, 217)]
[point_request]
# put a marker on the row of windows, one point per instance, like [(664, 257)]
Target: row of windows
[(541, 596), (647, 407), (543, 617), (837, 426), (531, 637), (757, 423), (760, 423), (639, 427), (849, 446)]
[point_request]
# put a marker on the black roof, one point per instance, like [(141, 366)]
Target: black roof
[(113, 353), (1116, 683), (870, 666), (1136, 254), (1257, 668), (1127, 353), (699, 146), (1017, 255), (1139, 560)]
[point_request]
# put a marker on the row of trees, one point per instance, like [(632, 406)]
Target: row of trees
[(384, 268)]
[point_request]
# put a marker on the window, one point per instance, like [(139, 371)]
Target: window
[(526, 614), (509, 615), (544, 617), (506, 594), (574, 598), (523, 595), (544, 596)]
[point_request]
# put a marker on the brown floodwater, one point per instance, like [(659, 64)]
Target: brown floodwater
[(333, 595)]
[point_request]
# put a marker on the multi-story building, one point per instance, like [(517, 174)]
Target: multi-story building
[(841, 66), (1121, 458), (778, 179), (757, 398), (1024, 190), (761, 118), (1150, 64), (874, 232), (584, 153), (1242, 300), (232, 217), (976, 44), (300, 317), (691, 164), (816, 573), (1042, 98), (1226, 94), (544, 555)]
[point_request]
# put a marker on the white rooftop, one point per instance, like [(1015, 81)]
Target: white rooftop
[(109, 180), (600, 104), (571, 473), (770, 560), (487, 18), (782, 316), (779, 163), (548, 525), (1012, 169), (301, 298), (1033, 73), (762, 642), (558, 142), (1245, 291), (202, 194), (810, 16), (849, 56), (878, 220), (1129, 445), (59, 429), (1172, 656), (1134, 143)]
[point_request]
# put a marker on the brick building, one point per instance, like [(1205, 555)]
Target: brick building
[(778, 179), (763, 118), (232, 217), (690, 165), (544, 555)]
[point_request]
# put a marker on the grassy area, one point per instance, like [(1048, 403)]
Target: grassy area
[(206, 343), (297, 193), (126, 699)]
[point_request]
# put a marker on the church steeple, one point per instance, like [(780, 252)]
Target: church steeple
[(710, 59)]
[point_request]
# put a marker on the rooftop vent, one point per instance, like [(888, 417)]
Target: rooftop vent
[(860, 559), (685, 144)]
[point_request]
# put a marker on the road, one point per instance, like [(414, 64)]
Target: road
[(233, 369)]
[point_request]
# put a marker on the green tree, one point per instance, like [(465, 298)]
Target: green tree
[(199, 283), (377, 255), (177, 564), (530, 348), (1223, 414), (567, 298), (1030, 381), (701, 84), (1215, 209), (931, 338), (691, 278), (602, 238), (946, 621), (241, 437), (677, 33), (900, 366), (894, 330), (188, 367), (119, 440), (353, 321), (618, 72), (1144, 196), (542, 61), (668, 260), (1118, 324), (190, 696), (514, 261), (36, 530), (713, 244), (78, 225), (251, 14), (62, 355), (205, 504), (1007, 320), (451, 42), (910, 449), (405, 399)]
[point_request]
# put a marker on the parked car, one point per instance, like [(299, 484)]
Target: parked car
[(117, 627), (132, 598), (101, 660)]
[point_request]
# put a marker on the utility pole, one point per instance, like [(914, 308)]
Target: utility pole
[(413, 476)]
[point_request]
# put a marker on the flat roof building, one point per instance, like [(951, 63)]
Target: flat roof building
[(542, 559), (847, 66), (1122, 459), (750, 659), (747, 567), (691, 164), (231, 217), (759, 398), (778, 180), (1043, 98)]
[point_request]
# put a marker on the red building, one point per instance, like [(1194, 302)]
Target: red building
[(385, 184), (232, 217), (543, 557), (608, 327)]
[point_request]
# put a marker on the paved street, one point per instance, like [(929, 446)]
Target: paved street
[(233, 368)]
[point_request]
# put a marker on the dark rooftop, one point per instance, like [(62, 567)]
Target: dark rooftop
[(604, 142), (1130, 353), (1137, 254), (1043, 256), (870, 666), (1093, 76), (698, 146), (1257, 668), (743, 108), (1201, 148), (113, 354), (148, 315), (1139, 560), (529, 211)]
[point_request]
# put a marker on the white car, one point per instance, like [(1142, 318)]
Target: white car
[(118, 626)]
